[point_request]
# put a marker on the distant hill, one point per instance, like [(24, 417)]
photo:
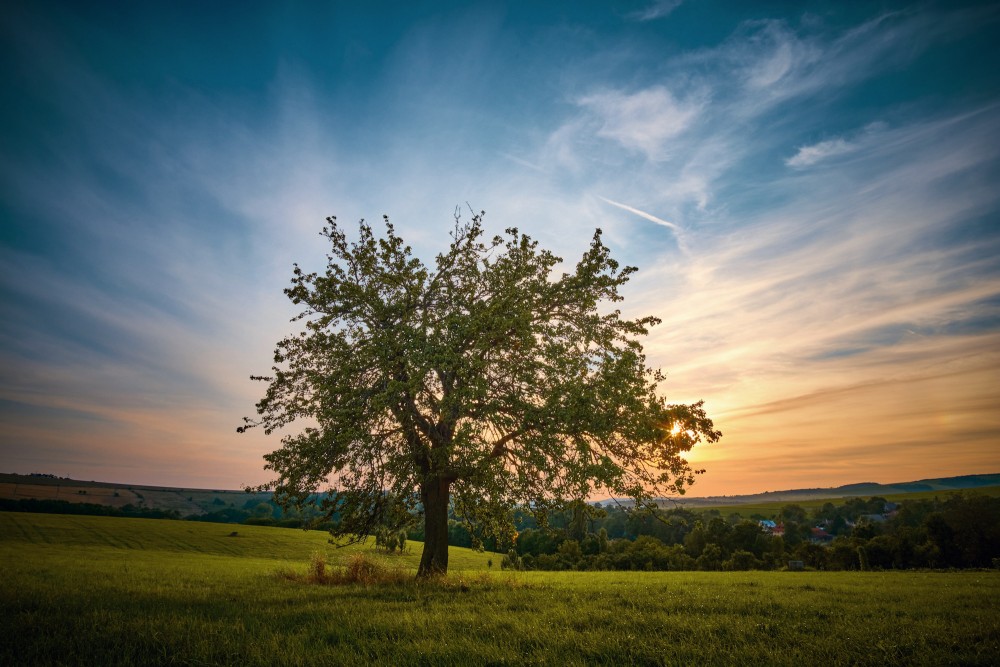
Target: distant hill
[(865, 489), (182, 500), (202, 501)]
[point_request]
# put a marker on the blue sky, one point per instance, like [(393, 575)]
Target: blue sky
[(810, 191)]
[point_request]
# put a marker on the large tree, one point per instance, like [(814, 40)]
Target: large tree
[(484, 382)]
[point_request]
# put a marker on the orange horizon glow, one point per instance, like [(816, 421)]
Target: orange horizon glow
[(809, 194)]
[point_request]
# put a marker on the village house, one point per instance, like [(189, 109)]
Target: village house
[(771, 527)]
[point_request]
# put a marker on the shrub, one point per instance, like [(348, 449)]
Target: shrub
[(401, 541), (547, 562), (843, 555), (317, 568), (570, 553), (365, 570), (710, 558), (813, 555), (388, 541), (512, 561), (742, 561), (260, 521)]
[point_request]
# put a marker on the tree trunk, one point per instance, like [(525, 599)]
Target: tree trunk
[(434, 560)]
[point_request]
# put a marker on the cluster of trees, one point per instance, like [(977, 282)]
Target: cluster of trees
[(677, 539), (958, 532)]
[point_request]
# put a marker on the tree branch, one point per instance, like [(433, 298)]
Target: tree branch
[(500, 446)]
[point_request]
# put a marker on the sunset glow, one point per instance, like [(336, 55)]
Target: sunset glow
[(810, 194)]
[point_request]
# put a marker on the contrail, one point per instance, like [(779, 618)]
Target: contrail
[(676, 229)]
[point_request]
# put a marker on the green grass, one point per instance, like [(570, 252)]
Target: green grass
[(96, 590), (991, 491)]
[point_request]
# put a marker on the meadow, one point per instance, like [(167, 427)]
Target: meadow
[(103, 590)]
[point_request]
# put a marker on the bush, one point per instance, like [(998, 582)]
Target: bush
[(511, 561), (843, 555), (813, 555), (317, 568), (742, 561), (710, 558), (570, 553), (367, 571), (259, 521), (401, 542)]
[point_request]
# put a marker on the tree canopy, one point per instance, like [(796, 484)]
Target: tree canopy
[(486, 381)]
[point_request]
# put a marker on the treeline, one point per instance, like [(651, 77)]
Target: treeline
[(47, 506), (253, 512), (962, 531)]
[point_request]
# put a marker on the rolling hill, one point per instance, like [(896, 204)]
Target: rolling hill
[(188, 501)]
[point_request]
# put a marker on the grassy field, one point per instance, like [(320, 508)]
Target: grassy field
[(773, 508), (96, 590)]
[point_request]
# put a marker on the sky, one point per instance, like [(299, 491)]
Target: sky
[(809, 189)]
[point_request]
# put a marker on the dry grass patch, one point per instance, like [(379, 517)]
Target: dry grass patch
[(366, 570), (360, 569)]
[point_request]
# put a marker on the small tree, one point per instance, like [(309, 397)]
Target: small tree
[(381, 535), (486, 380), (387, 540), (401, 540), (511, 561)]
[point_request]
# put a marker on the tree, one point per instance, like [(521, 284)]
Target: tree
[(711, 557), (793, 513), (401, 540), (486, 381)]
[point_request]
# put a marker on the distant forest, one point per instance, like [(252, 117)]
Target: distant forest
[(961, 530)]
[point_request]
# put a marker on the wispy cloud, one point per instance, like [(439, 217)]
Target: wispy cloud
[(833, 312), (827, 307), (657, 10), (643, 121), (708, 110), (810, 155), (855, 284)]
